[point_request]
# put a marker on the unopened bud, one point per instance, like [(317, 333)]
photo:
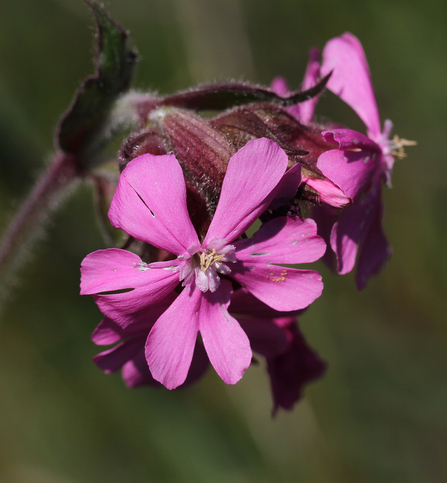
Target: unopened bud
[(203, 152), (143, 142)]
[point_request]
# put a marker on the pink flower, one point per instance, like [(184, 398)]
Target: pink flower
[(358, 231), (150, 205), (359, 165), (291, 363)]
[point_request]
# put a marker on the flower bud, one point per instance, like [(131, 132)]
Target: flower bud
[(142, 142), (203, 152)]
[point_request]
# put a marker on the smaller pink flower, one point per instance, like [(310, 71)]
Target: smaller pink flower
[(150, 205), (358, 231), (357, 168), (291, 363)]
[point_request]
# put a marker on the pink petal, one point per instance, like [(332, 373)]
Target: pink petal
[(345, 247), (110, 332), (351, 79), (328, 192), (286, 189), (291, 371), (170, 345), (353, 165), (282, 240), (279, 86), (115, 270), (247, 190), (113, 359), (353, 224), (266, 338), (286, 321), (281, 288), (374, 250), (225, 342), (325, 217), (135, 372), (150, 203), (245, 303), (305, 110), (128, 307), (354, 140), (112, 269)]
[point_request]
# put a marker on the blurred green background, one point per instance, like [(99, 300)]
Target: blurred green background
[(380, 414)]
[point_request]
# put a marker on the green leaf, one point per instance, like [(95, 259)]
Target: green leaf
[(82, 125)]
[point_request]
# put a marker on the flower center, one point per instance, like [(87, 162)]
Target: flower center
[(209, 258), (204, 264)]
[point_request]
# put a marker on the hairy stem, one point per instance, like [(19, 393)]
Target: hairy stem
[(59, 176)]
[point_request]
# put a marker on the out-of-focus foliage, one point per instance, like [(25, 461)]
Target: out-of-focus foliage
[(380, 413)]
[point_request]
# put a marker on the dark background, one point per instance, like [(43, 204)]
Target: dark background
[(380, 414)]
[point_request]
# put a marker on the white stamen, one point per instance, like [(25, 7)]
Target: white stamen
[(206, 263)]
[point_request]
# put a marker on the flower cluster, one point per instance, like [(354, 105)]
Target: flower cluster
[(200, 286)]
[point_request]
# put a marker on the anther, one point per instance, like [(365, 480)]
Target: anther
[(208, 259), (397, 146)]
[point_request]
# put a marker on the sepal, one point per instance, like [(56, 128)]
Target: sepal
[(81, 128)]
